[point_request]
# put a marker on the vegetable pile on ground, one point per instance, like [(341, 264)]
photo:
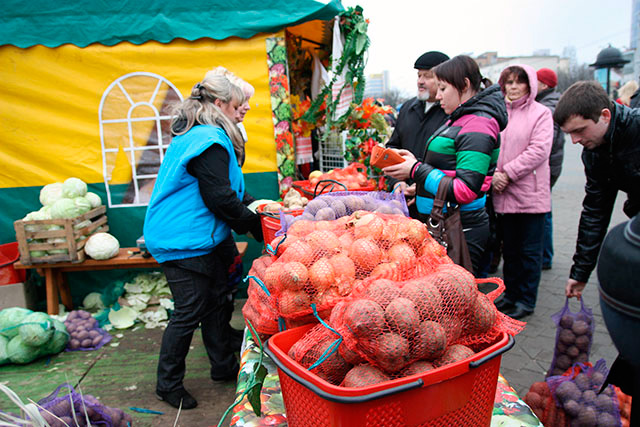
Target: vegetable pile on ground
[(573, 338), (78, 409), (84, 331), (320, 262), (26, 335), (147, 299), (395, 328), (68, 199)]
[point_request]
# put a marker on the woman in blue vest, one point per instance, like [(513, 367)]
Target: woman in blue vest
[(198, 198)]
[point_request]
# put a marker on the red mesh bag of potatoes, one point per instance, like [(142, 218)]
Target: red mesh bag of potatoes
[(439, 318), (574, 335), (319, 262), (578, 393)]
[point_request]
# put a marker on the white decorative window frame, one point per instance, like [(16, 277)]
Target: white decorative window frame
[(131, 148)]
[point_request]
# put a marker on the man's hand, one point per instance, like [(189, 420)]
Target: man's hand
[(400, 187), (500, 181), (574, 288), (401, 170)]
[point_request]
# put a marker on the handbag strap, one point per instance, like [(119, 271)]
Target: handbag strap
[(440, 199)]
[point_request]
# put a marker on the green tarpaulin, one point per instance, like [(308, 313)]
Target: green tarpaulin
[(83, 22)]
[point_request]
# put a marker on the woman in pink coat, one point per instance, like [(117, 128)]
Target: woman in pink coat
[(521, 190)]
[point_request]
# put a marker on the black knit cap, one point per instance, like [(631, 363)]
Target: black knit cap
[(429, 60)]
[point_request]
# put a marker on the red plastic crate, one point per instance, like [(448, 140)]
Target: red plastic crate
[(270, 222), (460, 394)]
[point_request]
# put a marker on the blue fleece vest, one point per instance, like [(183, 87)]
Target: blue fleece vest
[(178, 224)]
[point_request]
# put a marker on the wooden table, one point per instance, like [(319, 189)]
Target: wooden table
[(58, 288)]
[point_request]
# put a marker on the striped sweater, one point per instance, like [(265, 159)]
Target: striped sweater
[(466, 148)]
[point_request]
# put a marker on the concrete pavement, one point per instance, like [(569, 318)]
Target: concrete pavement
[(528, 361)]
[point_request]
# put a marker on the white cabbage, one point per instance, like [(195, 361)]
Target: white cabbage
[(94, 199), (93, 301), (102, 246), (50, 193), (74, 187), (64, 208), (82, 204)]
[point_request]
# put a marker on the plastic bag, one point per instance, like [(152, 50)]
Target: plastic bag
[(74, 408), (85, 333), (574, 335)]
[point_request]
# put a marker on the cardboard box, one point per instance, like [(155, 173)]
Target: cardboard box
[(18, 295)]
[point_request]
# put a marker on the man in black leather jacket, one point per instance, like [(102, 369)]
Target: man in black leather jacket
[(610, 134), (419, 118)]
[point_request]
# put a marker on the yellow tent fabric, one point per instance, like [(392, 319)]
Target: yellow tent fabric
[(50, 98)]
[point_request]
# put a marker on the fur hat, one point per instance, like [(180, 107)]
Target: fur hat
[(428, 60), (548, 77)]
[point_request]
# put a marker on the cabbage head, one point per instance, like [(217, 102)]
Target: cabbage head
[(36, 329), (64, 208), (93, 301), (74, 187), (58, 341), (36, 216), (10, 318), (53, 240), (82, 204), (94, 199), (4, 356), (37, 254), (102, 246), (21, 353), (51, 193)]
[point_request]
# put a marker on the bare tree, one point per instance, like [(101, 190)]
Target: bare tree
[(576, 73), (394, 97)]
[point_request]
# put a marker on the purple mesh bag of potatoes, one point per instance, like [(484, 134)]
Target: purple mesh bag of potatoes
[(66, 406), (582, 398), (84, 331), (574, 335)]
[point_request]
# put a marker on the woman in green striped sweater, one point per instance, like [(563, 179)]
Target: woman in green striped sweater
[(466, 148)]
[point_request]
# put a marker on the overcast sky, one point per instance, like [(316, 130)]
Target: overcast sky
[(401, 30)]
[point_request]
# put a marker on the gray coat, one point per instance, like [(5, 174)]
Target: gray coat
[(549, 98)]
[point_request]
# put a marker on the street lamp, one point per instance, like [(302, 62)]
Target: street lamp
[(609, 58)]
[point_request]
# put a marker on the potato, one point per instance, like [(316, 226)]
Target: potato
[(74, 344), (86, 342), (96, 341), (272, 207), (82, 335), (93, 333)]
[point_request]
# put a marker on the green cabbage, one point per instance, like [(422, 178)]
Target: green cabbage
[(21, 353), (64, 208), (94, 199), (82, 204), (51, 193), (4, 356), (58, 341), (74, 187), (102, 246), (10, 318), (36, 329), (93, 301), (53, 240), (36, 216)]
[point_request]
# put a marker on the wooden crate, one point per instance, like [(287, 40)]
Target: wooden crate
[(29, 241)]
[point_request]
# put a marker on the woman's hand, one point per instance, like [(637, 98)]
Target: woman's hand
[(500, 181), (401, 170)]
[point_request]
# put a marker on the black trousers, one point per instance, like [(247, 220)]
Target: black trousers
[(202, 297)]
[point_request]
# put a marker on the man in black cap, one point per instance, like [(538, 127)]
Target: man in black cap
[(419, 118)]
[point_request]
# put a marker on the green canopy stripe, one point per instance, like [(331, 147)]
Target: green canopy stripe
[(83, 22)]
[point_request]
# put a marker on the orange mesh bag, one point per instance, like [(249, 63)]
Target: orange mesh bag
[(434, 320), (319, 262), (258, 311)]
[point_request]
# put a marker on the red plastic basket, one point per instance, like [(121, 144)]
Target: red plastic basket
[(9, 254), (461, 393), (270, 222), (327, 186)]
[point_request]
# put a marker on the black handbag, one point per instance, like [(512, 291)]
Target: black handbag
[(447, 229)]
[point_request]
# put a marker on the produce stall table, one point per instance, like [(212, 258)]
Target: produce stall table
[(57, 285), (508, 411)]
